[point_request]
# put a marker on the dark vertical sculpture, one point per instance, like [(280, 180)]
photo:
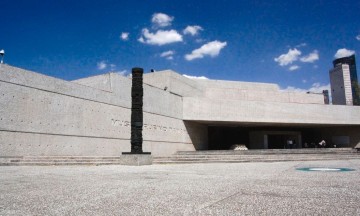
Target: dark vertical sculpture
[(137, 110)]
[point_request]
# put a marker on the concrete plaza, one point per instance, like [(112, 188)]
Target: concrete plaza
[(182, 189)]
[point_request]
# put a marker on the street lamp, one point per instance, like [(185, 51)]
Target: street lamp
[(2, 53), (325, 93)]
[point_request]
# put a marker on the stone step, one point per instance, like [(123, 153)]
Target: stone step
[(192, 157), (58, 163), (67, 160), (57, 158), (247, 160), (254, 156), (259, 156), (65, 157), (272, 151), (63, 160), (208, 157), (240, 158)]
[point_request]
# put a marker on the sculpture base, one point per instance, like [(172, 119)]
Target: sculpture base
[(133, 159)]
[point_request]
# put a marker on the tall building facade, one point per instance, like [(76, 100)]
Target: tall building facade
[(344, 82)]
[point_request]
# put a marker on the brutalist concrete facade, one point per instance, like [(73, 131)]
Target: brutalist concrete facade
[(41, 115)]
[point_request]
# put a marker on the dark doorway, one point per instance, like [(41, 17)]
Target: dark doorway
[(222, 138), (276, 141), (281, 141)]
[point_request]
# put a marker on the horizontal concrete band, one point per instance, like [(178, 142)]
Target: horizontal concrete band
[(90, 137), (203, 109)]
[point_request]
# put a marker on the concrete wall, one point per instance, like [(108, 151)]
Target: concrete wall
[(215, 89), (237, 85), (174, 83), (102, 82), (41, 115), (261, 95), (203, 109)]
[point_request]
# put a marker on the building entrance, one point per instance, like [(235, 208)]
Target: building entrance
[(223, 137), (281, 141)]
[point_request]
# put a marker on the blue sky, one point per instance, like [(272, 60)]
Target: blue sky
[(291, 43)]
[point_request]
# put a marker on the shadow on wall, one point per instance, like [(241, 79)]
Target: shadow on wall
[(198, 134)]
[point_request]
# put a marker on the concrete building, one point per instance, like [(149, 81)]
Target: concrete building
[(42, 115), (344, 82)]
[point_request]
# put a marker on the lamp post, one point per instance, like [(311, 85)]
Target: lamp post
[(2, 53), (325, 93)]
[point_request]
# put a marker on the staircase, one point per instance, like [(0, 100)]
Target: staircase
[(268, 155), (59, 160), (181, 157)]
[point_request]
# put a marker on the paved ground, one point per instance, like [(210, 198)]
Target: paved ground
[(190, 189)]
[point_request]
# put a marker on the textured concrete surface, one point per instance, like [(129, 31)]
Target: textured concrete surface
[(41, 115), (196, 189), (225, 110), (136, 159)]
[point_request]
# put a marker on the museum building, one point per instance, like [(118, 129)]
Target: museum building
[(42, 115)]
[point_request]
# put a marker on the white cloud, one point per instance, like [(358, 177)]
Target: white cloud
[(312, 57), (358, 37), (122, 73), (168, 55), (112, 66), (301, 45), (192, 30), (101, 65), (124, 36), (344, 53), (195, 77), (318, 88), (161, 19), (160, 37), (199, 40), (288, 58), (212, 49), (315, 88), (293, 67)]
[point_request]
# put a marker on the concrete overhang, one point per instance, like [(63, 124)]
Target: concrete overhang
[(267, 124), (253, 113)]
